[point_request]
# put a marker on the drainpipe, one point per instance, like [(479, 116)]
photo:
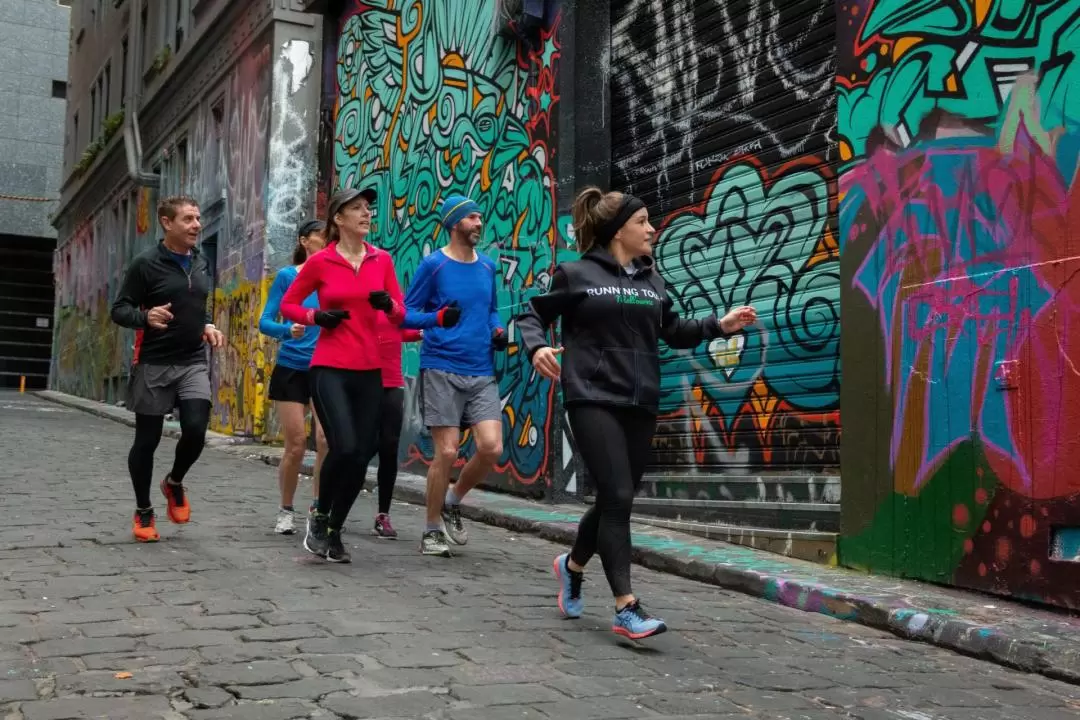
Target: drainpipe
[(132, 138)]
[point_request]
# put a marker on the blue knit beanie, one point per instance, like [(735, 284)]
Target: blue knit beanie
[(456, 207)]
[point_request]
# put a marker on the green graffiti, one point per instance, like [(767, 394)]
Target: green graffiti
[(432, 102), (927, 535)]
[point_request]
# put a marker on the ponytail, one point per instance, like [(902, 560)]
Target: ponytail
[(299, 255), (332, 233), (592, 207)]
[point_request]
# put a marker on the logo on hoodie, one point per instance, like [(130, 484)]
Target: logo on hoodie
[(626, 295)]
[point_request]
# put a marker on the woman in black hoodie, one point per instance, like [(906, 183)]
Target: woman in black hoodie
[(615, 309)]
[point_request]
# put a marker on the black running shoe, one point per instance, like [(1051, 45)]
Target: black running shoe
[(317, 540), (335, 550)]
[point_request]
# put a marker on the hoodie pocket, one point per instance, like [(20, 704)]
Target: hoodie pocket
[(613, 378), (647, 377)]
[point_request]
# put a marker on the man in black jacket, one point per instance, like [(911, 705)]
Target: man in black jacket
[(164, 299)]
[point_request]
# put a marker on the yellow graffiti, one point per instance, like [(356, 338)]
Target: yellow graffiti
[(91, 360), (243, 366)]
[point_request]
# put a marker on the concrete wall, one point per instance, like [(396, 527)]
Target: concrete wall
[(431, 101), (33, 84), (960, 227)]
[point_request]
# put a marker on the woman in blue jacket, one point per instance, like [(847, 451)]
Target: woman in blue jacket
[(289, 380)]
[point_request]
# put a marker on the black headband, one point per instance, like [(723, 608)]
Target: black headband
[(606, 231)]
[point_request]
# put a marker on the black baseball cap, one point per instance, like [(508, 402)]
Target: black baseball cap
[(343, 197)]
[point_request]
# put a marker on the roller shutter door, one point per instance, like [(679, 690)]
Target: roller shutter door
[(723, 116)]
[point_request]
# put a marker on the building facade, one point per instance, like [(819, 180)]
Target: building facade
[(819, 159), (816, 158), (33, 86), (225, 96)]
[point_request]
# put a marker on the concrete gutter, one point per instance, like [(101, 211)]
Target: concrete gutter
[(123, 415), (994, 629)]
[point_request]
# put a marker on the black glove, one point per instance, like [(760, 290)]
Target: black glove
[(499, 339), (330, 318), (449, 315), (380, 300)]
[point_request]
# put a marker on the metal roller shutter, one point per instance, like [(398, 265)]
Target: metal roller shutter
[(723, 116)]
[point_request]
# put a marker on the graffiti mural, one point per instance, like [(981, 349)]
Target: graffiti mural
[(430, 101), (762, 241), (243, 366), (723, 116), (241, 371), (247, 156), (291, 148), (959, 226)]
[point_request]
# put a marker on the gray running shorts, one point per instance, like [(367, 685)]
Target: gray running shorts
[(450, 400), (156, 389)]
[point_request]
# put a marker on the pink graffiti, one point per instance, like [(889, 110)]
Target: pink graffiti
[(974, 265), (953, 305)]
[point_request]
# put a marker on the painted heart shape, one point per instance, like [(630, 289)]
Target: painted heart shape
[(756, 239), (726, 353)]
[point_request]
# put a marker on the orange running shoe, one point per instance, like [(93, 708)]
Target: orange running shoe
[(179, 507), (142, 527)]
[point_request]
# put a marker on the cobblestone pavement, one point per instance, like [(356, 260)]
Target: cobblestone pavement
[(224, 619)]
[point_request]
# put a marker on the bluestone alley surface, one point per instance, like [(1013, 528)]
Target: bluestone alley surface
[(224, 619)]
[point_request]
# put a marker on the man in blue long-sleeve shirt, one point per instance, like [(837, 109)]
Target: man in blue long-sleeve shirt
[(457, 368)]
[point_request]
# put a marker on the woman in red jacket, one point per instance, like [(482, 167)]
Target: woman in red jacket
[(356, 283), (393, 414)]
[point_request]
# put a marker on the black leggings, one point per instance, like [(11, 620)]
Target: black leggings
[(194, 419), (349, 405), (393, 414), (615, 445)]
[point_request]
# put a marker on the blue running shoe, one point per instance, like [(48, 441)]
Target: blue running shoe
[(634, 623), (570, 602)]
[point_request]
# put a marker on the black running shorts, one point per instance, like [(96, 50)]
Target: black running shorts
[(288, 385)]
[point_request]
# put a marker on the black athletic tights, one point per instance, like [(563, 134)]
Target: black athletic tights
[(614, 443), (194, 419), (393, 414), (349, 406)]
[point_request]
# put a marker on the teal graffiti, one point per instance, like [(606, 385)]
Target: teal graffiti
[(541, 515), (911, 58), (753, 241), (733, 556), (432, 102)]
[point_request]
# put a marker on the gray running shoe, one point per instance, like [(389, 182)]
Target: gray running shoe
[(451, 515), (434, 542)]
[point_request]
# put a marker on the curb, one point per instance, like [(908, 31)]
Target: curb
[(126, 417), (892, 614), (1021, 648), (922, 625)]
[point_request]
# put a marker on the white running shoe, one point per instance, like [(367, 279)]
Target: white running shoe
[(286, 522)]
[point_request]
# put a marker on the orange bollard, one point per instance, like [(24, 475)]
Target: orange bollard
[(22, 383)]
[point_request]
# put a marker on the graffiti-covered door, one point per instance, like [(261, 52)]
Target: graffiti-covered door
[(722, 122), (958, 132)]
